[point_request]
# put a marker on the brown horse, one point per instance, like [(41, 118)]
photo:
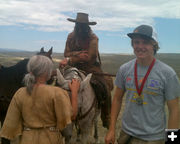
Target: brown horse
[(10, 81)]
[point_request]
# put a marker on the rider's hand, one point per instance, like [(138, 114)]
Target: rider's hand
[(110, 137), (83, 55), (63, 63)]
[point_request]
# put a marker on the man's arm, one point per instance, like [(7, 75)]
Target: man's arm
[(67, 50), (173, 107), (92, 51), (116, 107), (82, 56)]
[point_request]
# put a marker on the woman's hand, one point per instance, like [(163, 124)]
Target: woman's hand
[(74, 85)]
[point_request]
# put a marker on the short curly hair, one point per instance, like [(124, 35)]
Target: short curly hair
[(153, 42)]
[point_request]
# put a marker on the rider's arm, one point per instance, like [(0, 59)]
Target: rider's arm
[(93, 50), (74, 55), (67, 51)]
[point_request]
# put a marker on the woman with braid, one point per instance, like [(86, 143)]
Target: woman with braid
[(38, 112)]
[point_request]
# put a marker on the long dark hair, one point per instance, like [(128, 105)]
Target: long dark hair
[(82, 32)]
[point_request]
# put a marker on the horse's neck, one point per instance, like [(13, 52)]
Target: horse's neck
[(86, 94), (72, 73), (21, 65), (20, 70), (14, 74), (68, 76)]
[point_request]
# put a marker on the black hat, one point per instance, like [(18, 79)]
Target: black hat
[(145, 31), (82, 18)]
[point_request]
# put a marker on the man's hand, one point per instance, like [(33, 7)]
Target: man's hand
[(63, 63), (110, 137), (83, 55)]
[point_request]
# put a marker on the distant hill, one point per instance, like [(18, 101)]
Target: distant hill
[(11, 50), (110, 62)]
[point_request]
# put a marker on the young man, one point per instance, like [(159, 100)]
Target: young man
[(82, 52), (148, 84)]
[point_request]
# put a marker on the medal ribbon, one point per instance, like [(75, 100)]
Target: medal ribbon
[(139, 91)]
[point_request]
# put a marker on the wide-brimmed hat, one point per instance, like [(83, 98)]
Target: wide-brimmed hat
[(145, 31), (82, 18)]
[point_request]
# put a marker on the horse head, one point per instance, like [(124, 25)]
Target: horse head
[(65, 75), (48, 53), (11, 77)]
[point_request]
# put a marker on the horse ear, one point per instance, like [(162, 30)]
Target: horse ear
[(50, 51), (85, 82), (63, 83), (60, 78), (42, 50)]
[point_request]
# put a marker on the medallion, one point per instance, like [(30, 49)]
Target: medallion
[(139, 101)]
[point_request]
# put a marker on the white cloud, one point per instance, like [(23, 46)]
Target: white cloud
[(111, 15), (122, 35), (47, 42)]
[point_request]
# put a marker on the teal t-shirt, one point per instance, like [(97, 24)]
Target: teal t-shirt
[(147, 121)]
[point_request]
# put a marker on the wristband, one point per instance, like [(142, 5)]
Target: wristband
[(67, 58)]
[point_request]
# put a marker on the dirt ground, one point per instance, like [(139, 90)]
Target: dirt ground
[(103, 131)]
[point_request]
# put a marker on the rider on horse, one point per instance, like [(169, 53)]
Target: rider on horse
[(81, 51)]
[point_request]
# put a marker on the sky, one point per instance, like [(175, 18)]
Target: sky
[(32, 24)]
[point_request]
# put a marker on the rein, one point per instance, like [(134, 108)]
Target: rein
[(85, 114), (105, 74)]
